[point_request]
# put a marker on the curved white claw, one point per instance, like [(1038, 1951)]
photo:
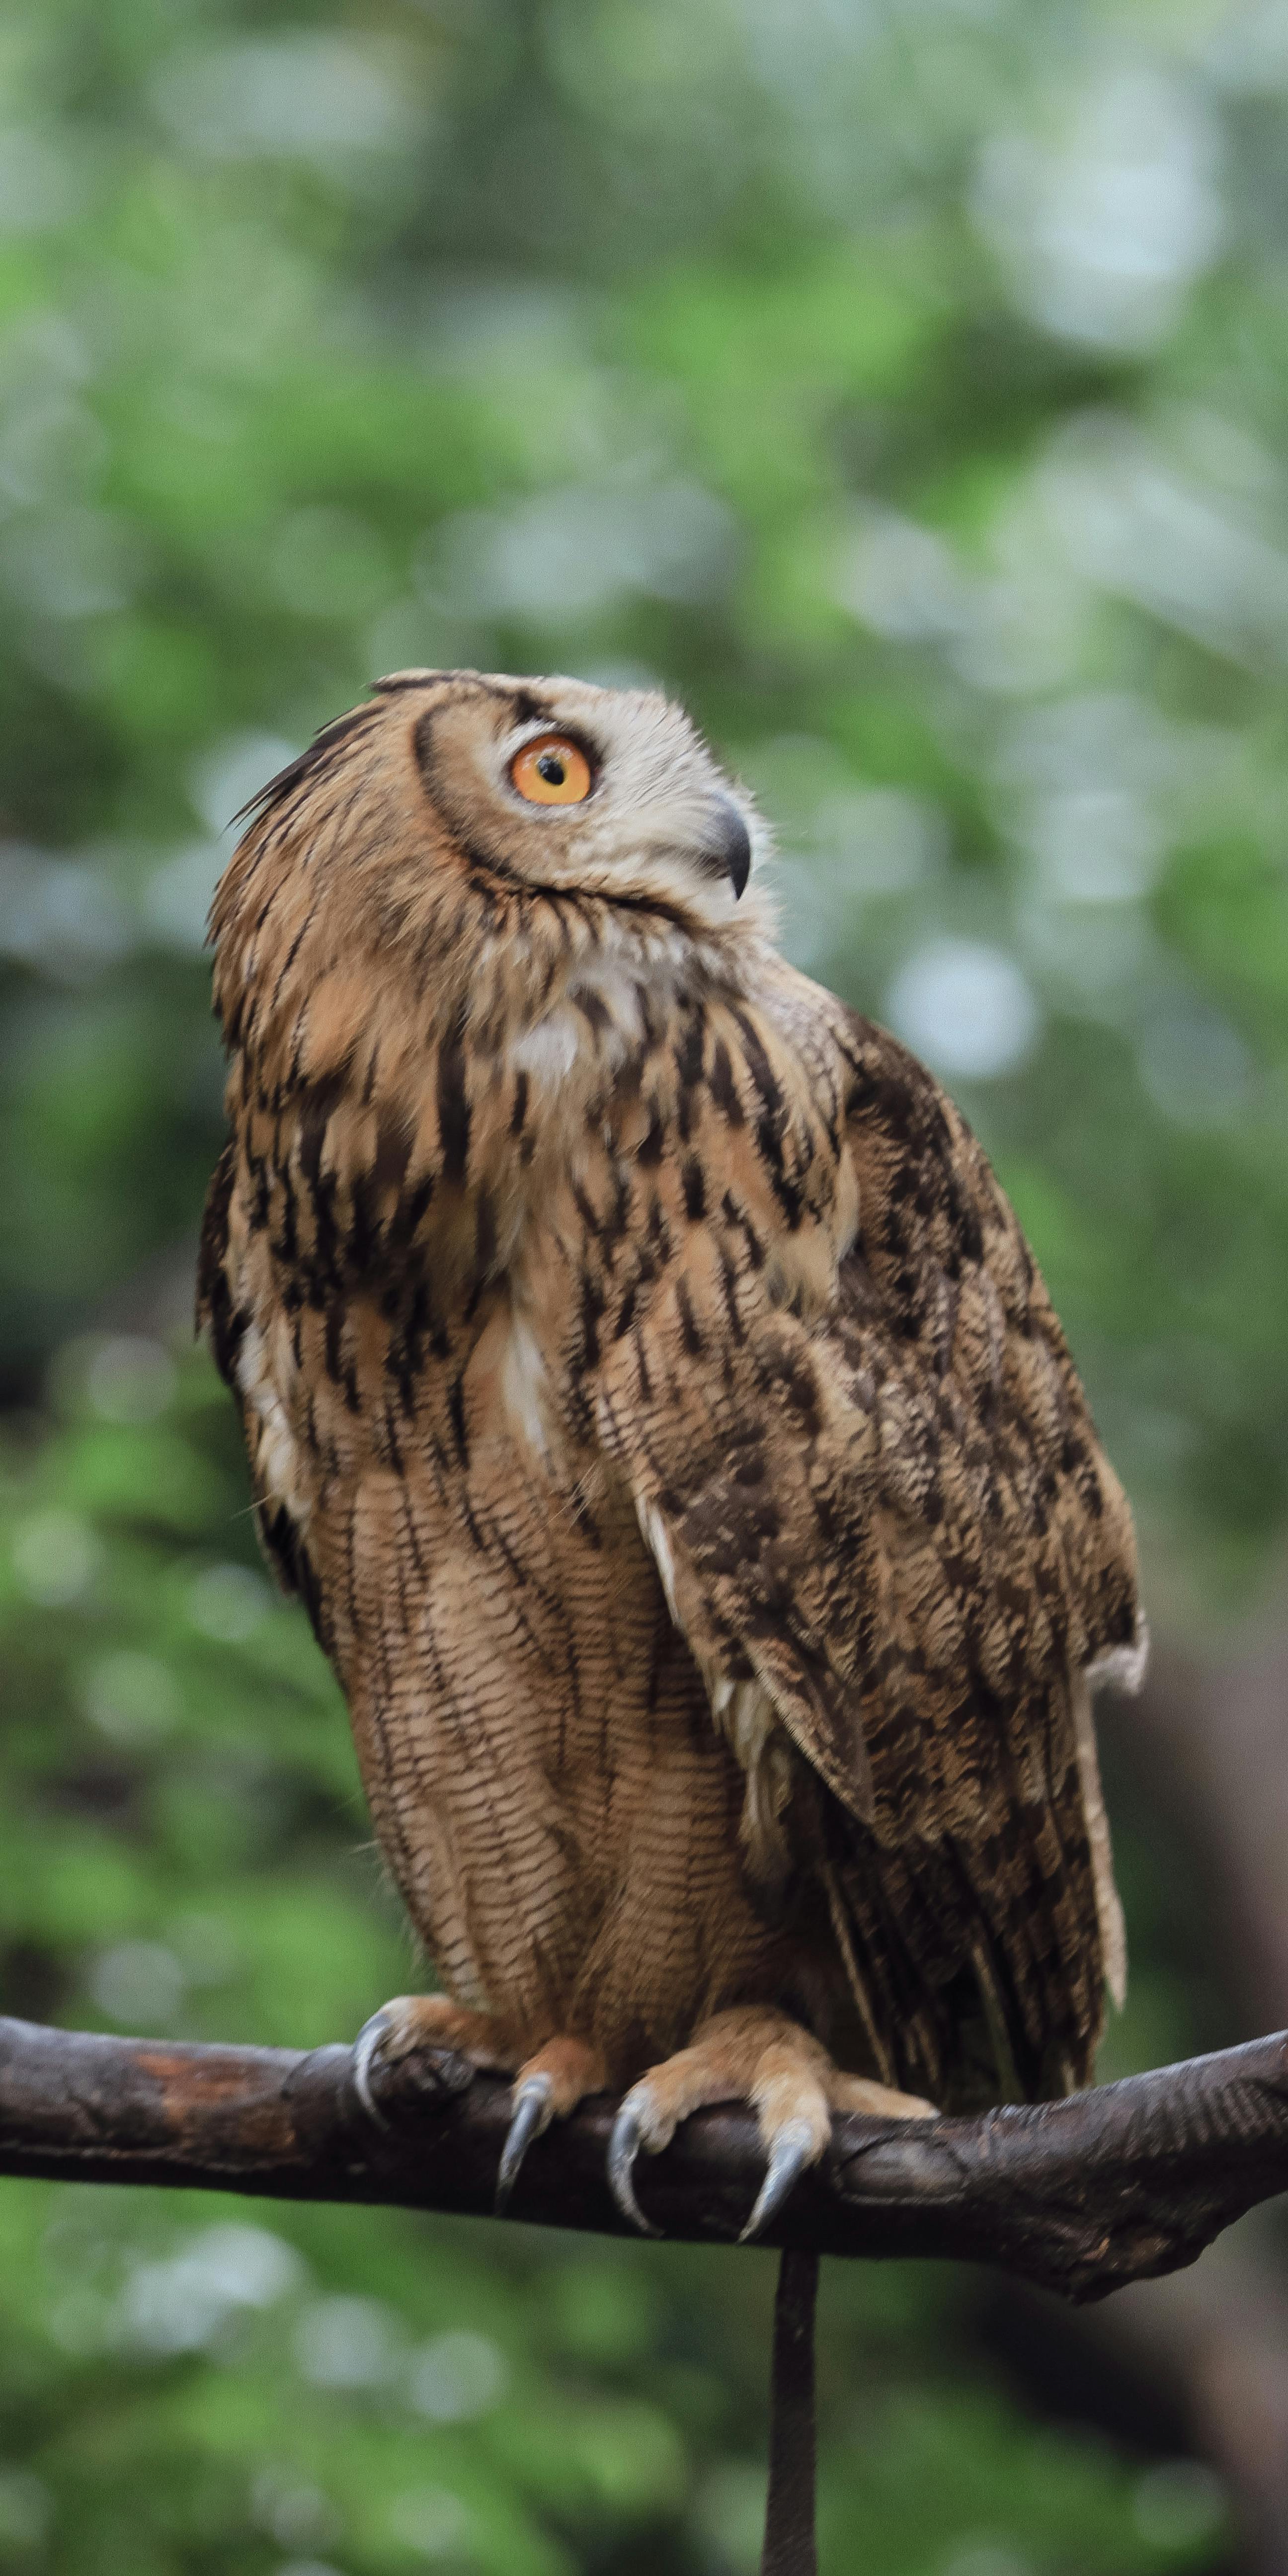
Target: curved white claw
[(531, 2114), (365, 2047), (792, 2150), (623, 2148)]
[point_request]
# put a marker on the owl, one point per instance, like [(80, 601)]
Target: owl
[(650, 1394)]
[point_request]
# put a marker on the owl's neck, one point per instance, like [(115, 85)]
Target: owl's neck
[(515, 958), (307, 951), (432, 1068)]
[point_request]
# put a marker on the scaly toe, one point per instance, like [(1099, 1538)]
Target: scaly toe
[(429, 2048), (794, 2147), (533, 2102), (623, 2147), (856, 2093)]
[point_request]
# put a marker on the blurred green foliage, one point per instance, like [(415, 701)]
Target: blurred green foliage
[(903, 383)]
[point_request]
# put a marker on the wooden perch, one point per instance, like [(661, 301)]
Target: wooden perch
[(1082, 2195)]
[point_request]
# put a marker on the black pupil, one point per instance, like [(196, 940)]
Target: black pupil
[(551, 768)]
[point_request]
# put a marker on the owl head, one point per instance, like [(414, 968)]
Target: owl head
[(469, 842), (548, 784)]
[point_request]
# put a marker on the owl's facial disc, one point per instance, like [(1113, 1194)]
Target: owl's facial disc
[(597, 791)]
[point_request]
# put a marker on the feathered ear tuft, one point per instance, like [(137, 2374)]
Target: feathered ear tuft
[(309, 765), (395, 680)]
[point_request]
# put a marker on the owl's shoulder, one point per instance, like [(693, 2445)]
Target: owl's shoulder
[(939, 1297), (931, 1208)]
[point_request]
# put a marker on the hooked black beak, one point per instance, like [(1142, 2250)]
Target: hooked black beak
[(731, 845)]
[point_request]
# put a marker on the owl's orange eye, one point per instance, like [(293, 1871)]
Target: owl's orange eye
[(551, 771)]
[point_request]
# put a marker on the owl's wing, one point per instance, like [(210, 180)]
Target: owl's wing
[(892, 1515)]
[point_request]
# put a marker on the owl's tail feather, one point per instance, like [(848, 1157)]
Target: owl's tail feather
[(789, 2511)]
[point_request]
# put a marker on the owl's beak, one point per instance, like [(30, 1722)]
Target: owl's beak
[(730, 844)]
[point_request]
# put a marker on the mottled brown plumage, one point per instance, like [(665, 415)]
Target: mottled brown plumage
[(650, 1391)]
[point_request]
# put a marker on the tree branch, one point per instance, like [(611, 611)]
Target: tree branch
[(1082, 2195)]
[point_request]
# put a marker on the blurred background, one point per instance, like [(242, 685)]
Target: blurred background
[(904, 383)]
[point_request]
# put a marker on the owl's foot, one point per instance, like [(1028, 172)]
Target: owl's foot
[(758, 2055), (546, 2088), (428, 2027), (443, 2044)]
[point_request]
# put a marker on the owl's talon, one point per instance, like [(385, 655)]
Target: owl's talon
[(533, 2102), (794, 2147), (365, 2051), (623, 2148)]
